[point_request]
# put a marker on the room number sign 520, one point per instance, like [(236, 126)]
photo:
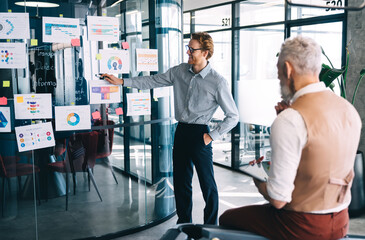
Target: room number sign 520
[(337, 3)]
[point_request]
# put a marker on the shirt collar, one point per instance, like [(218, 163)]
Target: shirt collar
[(311, 88), (204, 72)]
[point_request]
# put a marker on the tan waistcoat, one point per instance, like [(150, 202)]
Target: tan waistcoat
[(325, 171)]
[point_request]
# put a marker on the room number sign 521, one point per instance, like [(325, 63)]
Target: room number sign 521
[(226, 22)]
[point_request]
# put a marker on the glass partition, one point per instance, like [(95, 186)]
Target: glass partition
[(73, 149)]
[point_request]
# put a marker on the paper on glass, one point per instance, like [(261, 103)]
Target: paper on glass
[(103, 28), (161, 92), (114, 61), (60, 30), (69, 118), (33, 106), (12, 55), (103, 92), (138, 104), (34, 136), (14, 26), (147, 59), (5, 120)]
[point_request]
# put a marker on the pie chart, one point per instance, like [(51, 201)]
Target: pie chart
[(73, 119)]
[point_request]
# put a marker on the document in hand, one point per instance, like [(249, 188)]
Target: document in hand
[(256, 171)]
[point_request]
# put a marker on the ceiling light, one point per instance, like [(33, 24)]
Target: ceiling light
[(38, 3)]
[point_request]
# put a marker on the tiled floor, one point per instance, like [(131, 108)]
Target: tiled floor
[(235, 190)]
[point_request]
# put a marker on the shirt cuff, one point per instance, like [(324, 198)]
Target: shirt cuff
[(214, 135), (127, 82), (277, 195)]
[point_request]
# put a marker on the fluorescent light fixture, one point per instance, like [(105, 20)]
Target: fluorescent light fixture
[(39, 3), (119, 1)]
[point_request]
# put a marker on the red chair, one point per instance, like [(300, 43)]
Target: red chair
[(105, 145), (9, 168), (81, 157)]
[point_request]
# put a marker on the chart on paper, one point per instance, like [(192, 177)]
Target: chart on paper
[(60, 30), (5, 121), (33, 106), (12, 55), (70, 118), (34, 136), (14, 26)]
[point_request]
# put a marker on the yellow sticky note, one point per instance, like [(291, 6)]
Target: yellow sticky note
[(61, 15), (98, 56), (19, 99), (6, 83), (72, 103), (9, 10), (33, 42), (8, 40)]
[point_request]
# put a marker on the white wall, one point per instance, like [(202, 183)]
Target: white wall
[(194, 4)]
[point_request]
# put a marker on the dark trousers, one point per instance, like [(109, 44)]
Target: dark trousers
[(190, 150), (286, 225)]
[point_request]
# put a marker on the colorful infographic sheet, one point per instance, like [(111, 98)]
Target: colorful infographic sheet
[(103, 28), (34, 136), (5, 121), (69, 118), (33, 106), (114, 61), (138, 104), (147, 59), (60, 30), (12, 55), (14, 26), (104, 93)]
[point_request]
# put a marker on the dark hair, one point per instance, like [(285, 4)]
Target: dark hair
[(205, 41)]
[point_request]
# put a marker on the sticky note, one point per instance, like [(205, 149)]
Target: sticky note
[(119, 111), (75, 42), (8, 40), (19, 99), (33, 42), (98, 56), (61, 15), (3, 101), (9, 10), (125, 45), (72, 103), (96, 115), (6, 83)]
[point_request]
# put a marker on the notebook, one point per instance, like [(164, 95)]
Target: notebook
[(256, 171)]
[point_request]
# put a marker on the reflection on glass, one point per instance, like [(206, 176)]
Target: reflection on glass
[(257, 11), (213, 18), (186, 23), (258, 88), (306, 12), (329, 37)]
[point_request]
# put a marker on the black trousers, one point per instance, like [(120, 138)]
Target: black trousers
[(190, 150)]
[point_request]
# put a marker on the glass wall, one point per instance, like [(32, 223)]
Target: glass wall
[(253, 30), (78, 157)]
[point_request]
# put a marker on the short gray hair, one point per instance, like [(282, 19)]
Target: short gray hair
[(303, 53)]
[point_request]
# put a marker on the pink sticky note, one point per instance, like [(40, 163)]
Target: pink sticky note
[(125, 45), (75, 42), (119, 111), (96, 115), (3, 101)]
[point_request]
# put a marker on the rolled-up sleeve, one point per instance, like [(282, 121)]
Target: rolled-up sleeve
[(225, 101), (287, 139)]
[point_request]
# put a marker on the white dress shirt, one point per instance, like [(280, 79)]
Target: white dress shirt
[(288, 138)]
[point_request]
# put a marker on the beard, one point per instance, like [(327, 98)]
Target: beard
[(286, 92)]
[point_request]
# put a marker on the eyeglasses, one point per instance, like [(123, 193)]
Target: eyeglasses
[(191, 50)]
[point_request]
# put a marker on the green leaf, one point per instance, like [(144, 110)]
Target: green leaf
[(328, 74), (362, 72)]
